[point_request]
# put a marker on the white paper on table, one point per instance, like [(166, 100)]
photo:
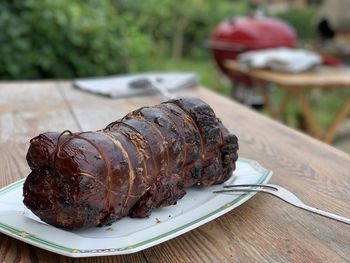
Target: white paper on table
[(280, 59), (118, 86)]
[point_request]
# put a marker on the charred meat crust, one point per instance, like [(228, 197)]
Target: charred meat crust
[(136, 164)]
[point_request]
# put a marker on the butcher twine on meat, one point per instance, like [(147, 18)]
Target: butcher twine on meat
[(136, 164)]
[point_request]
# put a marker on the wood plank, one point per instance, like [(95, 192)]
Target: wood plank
[(27, 109), (302, 164), (264, 229), (275, 231), (95, 112)]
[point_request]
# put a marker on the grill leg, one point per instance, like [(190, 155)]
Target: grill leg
[(247, 96)]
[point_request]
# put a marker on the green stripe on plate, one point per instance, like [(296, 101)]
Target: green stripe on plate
[(11, 186), (27, 235)]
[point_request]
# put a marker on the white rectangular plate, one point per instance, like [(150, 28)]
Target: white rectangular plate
[(128, 235)]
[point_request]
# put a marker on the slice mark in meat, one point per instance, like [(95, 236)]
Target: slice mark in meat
[(168, 113), (112, 125), (126, 155), (140, 152), (78, 136), (102, 184), (154, 128)]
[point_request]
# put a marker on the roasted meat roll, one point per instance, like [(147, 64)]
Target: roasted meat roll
[(136, 164)]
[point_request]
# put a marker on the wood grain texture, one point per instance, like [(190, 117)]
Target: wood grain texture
[(25, 111), (94, 112), (265, 229)]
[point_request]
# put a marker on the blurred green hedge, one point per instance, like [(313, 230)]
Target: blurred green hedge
[(301, 20), (66, 39), (63, 39)]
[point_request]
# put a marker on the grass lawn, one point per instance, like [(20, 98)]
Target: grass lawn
[(324, 106), (324, 103)]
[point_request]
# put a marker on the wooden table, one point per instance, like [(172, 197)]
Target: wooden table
[(264, 229), (297, 86)]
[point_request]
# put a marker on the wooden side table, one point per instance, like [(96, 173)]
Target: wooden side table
[(296, 86)]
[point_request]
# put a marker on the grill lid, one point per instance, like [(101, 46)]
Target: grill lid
[(239, 34)]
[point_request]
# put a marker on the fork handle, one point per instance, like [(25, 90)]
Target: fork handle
[(326, 214), (162, 89)]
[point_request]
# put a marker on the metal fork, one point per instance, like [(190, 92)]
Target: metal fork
[(152, 82), (283, 194)]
